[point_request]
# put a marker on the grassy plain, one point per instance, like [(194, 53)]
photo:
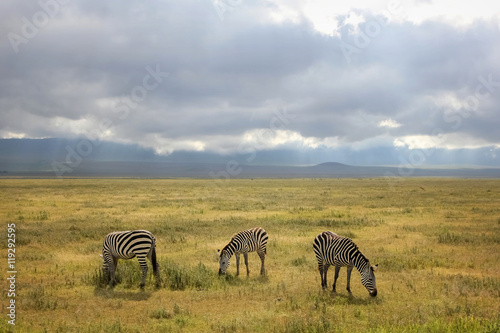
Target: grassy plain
[(437, 243)]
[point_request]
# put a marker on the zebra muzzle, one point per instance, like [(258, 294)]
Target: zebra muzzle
[(220, 272), (373, 293)]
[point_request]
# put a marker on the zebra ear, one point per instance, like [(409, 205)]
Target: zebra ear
[(375, 267), (101, 256), (218, 250)]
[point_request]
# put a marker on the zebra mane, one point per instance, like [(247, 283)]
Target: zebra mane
[(330, 234), (359, 254), (362, 256), (225, 248)]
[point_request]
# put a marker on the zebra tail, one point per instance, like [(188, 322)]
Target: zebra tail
[(153, 260)]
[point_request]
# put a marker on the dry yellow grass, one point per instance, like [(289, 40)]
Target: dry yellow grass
[(438, 250)]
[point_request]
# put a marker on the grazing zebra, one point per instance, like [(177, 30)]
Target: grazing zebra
[(127, 245), (251, 240), (332, 249)]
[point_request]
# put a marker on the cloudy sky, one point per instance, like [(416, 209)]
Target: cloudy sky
[(239, 76)]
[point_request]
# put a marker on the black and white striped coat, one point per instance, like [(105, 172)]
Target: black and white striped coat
[(252, 240), (332, 249), (127, 245)]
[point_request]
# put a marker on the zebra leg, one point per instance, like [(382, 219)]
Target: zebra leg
[(112, 270), (262, 256), (320, 269), (337, 270), (111, 278), (237, 255), (323, 270), (144, 268), (245, 256), (349, 271)]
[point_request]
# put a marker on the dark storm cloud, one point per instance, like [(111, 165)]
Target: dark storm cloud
[(90, 64)]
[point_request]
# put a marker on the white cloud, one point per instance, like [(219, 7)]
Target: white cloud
[(12, 135), (456, 13), (165, 146), (269, 139), (250, 141), (446, 141), (90, 127), (323, 13), (389, 123), (416, 142)]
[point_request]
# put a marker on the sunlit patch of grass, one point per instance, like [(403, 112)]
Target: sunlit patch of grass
[(473, 285), (457, 324), (456, 238), (400, 263), (39, 298), (356, 222)]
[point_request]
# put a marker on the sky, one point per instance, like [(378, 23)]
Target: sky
[(241, 76)]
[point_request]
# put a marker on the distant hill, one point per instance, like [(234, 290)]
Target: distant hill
[(75, 158), (155, 169)]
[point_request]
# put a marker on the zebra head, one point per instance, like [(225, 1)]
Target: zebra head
[(224, 261), (368, 279)]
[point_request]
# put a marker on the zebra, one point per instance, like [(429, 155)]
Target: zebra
[(127, 245), (332, 249), (251, 240)]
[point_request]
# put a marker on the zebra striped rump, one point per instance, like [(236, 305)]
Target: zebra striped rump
[(127, 245)]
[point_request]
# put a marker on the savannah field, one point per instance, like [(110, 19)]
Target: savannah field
[(436, 241)]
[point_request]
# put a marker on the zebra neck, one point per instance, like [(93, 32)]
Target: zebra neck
[(360, 261), (231, 248)]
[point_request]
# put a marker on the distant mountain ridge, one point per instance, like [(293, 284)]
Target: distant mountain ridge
[(70, 158)]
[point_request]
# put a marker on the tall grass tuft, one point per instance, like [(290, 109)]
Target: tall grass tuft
[(96, 278), (161, 313), (173, 276), (177, 277)]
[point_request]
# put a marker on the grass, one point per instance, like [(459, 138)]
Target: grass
[(438, 252)]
